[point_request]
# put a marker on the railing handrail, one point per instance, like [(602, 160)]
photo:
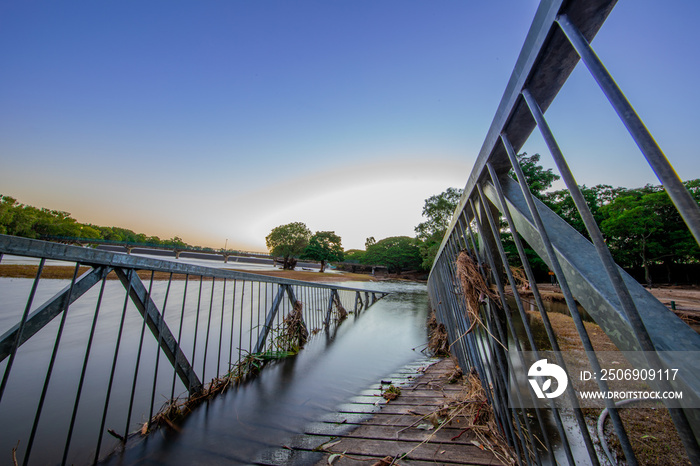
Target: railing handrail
[(184, 248), (560, 59), (630, 316), (19, 246)]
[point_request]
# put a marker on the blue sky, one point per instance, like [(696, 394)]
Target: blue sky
[(217, 120)]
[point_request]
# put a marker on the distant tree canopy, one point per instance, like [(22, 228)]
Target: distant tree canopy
[(538, 178), (288, 241), (354, 256), (397, 253), (438, 210), (31, 222), (641, 227), (324, 246)]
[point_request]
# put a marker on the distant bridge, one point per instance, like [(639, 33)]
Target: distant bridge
[(130, 246)]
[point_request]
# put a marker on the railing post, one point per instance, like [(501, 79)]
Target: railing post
[(327, 320)]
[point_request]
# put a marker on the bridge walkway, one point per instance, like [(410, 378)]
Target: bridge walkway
[(372, 430)]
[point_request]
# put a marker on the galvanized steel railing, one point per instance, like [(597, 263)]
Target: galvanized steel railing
[(77, 366), (631, 317)]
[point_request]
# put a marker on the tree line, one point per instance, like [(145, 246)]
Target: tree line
[(641, 226), (39, 223)]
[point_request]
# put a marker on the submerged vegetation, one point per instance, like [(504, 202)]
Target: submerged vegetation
[(286, 341)]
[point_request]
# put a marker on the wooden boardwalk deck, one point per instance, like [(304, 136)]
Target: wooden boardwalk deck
[(369, 428)]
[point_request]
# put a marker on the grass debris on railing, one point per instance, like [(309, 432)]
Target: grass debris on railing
[(438, 343), (290, 338), (294, 334), (475, 289), (342, 313)]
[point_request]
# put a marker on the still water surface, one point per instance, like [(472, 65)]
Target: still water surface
[(233, 428), (237, 426)]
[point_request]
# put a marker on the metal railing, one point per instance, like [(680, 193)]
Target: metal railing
[(78, 369), (629, 315)]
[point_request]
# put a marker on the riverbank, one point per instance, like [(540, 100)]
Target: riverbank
[(65, 272), (683, 300)]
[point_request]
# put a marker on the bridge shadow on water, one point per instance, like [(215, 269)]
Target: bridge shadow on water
[(266, 412)]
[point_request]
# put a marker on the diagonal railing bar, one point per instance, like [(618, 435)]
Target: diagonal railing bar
[(44, 314), (329, 309), (684, 202), (113, 373), (551, 258), (611, 270), (149, 311)]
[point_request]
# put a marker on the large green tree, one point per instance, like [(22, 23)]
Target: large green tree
[(324, 246), (538, 178), (596, 197), (397, 253), (288, 241), (438, 210), (642, 227)]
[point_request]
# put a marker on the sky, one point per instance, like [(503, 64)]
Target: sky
[(217, 121)]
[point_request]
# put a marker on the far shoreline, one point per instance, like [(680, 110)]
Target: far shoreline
[(65, 272)]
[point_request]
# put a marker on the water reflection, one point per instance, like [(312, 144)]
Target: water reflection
[(235, 427)]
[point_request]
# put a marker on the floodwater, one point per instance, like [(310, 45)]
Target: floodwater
[(235, 427)]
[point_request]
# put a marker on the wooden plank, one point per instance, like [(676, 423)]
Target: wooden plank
[(439, 452), (365, 432), (385, 432)]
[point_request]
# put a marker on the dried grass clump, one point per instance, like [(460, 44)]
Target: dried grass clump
[(342, 313), (521, 280), (437, 337), (471, 410), (474, 287), (295, 334)]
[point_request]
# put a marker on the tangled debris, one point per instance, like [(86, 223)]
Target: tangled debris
[(474, 287), (391, 392), (295, 334), (288, 339), (437, 337), (342, 313), (471, 411)]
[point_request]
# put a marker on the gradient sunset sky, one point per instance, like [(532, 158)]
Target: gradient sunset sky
[(219, 120)]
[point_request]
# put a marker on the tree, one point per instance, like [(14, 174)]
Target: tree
[(324, 246), (288, 241), (643, 227), (438, 210), (633, 228), (369, 242), (538, 178), (354, 256), (397, 253), (596, 197)]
